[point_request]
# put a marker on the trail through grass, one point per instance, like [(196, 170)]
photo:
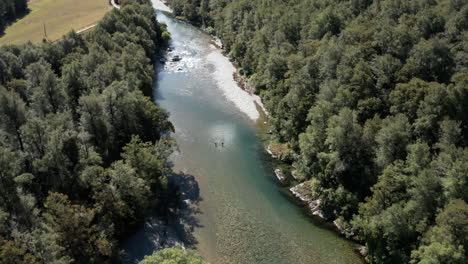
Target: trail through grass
[(59, 17)]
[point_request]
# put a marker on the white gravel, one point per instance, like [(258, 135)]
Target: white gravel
[(223, 76), (160, 5)]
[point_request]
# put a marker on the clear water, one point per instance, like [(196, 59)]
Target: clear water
[(243, 216)]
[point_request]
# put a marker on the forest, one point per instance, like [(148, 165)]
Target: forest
[(372, 98), (9, 10), (83, 148)]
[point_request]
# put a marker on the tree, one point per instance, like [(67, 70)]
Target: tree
[(48, 97), (447, 241), (149, 160), (10, 167), (74, 84), (430, 60), (67, 110), (75, 227), (346, 150), (13, 116), (173, 255), (11, 253), (129, 188), (392, 140)]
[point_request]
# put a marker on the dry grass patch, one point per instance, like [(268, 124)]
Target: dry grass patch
[(59, 17)]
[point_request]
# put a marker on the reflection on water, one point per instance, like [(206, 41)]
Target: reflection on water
[(238, 215), (222, 134)]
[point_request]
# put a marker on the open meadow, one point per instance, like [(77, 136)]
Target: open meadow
[(58, 16)]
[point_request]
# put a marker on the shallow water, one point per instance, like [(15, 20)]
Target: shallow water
[(243, 215)]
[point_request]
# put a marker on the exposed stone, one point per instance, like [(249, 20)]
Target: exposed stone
[(363, 251), (272, 154), (280, 175), (339, 225), (303, 192), (243, 83), (278, 151)]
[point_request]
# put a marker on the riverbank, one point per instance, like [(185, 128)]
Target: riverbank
[(243, 99), (160, 5), (224, 77), (245, 217)]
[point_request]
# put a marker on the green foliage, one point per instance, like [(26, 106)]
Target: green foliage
[(82, 153), (173, 256), (11, 253), (446, 242), (372, 98)]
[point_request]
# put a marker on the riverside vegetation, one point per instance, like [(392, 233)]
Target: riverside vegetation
[(83, 149), (372, 98)]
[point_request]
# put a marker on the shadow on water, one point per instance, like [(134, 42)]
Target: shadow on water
[(169, 227), (185, 209)]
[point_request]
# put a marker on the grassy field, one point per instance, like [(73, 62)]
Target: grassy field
[(59, 17)]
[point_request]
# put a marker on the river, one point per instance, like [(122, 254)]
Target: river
[(238, 213)]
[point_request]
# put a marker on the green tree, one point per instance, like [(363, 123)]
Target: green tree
[(173, 255), (446, 242), (13, 116), (392, 140), (75, 227)]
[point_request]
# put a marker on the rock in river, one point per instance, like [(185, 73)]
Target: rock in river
[(280, 175), (303, 192)]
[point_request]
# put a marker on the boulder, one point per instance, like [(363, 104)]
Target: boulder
[(363, 251), (339, 226), (280, 175), (303, 192), (270, 151)]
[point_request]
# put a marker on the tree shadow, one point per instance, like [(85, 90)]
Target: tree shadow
[(183, 214), (11, 20), (170, 225)]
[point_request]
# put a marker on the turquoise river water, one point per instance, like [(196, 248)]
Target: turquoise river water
[(242, 215)]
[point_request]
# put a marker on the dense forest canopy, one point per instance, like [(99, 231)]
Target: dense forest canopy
[(83, 151), (372, 97)]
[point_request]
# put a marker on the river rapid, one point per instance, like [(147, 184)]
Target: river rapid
[(234, 210)]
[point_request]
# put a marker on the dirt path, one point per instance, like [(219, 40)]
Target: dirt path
[(112, 2)]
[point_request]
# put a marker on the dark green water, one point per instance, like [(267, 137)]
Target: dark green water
[(244, 217)]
